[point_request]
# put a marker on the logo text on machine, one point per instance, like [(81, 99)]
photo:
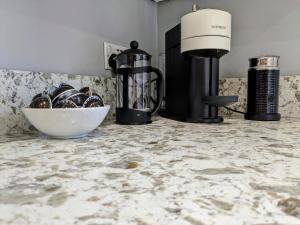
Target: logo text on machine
[(218, 27)]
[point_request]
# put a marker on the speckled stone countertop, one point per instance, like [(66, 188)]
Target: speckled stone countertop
[(237, 173)]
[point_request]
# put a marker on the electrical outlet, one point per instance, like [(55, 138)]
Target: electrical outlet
[(110, 49)]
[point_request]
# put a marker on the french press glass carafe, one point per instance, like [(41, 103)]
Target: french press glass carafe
[(135, 103)]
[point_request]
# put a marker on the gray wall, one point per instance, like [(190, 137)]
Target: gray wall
[(259, 27), (67, 35)]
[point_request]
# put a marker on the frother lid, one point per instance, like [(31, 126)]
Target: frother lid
[(268, 61)]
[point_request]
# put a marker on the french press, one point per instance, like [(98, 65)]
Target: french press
[(135, 103)]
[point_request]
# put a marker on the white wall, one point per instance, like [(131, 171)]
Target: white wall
[(259, 27), (67, 35)]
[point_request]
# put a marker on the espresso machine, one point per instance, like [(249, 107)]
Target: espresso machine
[(193, 52)]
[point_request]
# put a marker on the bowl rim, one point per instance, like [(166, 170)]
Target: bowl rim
[(65, 109)]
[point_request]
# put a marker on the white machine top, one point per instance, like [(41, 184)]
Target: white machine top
[(206, 29)]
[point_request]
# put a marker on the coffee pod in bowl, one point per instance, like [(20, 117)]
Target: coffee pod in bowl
[(96, 95), (37, 96), (92, 102), (87, 91), (59, 92), (65, 104), (44, 93), (66, 85), (51, 90), (41, 101), (64, 95), (78, 99)]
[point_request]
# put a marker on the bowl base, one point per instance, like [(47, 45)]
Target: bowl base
[(66, 137)]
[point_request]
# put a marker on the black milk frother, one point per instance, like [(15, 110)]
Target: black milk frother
[(263, 89)]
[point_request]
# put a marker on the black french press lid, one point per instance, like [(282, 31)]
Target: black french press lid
[(134, 50), (128, 56)]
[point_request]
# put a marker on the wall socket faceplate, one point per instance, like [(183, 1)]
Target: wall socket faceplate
[(110, 49)]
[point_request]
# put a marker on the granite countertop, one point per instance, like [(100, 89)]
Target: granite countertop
[(236, 173)]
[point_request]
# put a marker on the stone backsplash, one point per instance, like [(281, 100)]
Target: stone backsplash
[(18, 88)]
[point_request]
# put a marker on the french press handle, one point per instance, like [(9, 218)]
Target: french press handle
[(159, 89)]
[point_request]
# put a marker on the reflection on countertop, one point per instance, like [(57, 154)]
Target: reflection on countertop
[(236, 173)]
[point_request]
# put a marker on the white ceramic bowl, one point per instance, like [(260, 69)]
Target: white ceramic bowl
[(66, 123)]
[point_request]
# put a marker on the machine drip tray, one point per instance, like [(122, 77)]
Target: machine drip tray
[(190, 120), (220, 100), (206, 120)]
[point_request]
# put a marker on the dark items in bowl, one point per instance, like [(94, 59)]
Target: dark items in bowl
[(77, 98), (95, 94), (41, 102), (66, 85), (59, 91), (65, 96), (87, 91), (92, 102), (51, 90), (37, 96), (65, 104)]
